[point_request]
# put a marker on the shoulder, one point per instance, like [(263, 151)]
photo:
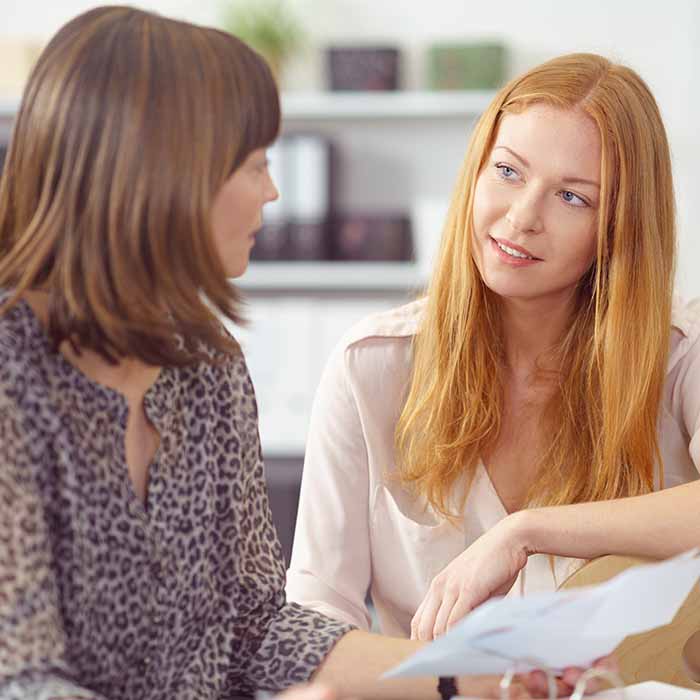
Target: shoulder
[(221, 377), (26, 416), (19, 331), (378, 349), (219, 390), (393, 326), (23, 351), (217, 401), (685, 337)]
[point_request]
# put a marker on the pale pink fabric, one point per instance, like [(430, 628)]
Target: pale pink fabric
[(358, 530)]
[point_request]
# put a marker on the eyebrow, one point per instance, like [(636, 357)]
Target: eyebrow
[(567, 180)]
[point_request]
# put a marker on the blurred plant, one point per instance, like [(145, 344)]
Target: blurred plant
[(268, 26)]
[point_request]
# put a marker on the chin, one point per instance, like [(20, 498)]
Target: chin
[(527, 293), (506, 291), (510, 286), (237, 269)]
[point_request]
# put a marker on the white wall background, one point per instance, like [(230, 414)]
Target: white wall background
[(661, 40), (291, 336)]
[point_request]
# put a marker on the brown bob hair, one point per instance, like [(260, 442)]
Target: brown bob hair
[(129, 125)]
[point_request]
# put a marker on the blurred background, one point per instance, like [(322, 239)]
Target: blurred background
[(379, 97)]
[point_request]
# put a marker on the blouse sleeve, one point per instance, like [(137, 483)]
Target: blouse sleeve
[(330, 568), (282, 642), (32, 644)]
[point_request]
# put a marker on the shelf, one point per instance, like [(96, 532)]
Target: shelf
[(399, 104), (329, 276), (384, 105), (8, 107)]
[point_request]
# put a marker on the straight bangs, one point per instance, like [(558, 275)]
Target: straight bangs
[(129, 125), (255, 97)]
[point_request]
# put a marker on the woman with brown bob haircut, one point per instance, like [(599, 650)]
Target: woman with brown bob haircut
[(540, 406), (137, 554)]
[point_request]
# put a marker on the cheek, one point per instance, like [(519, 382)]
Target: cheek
[(491, 203), (586, 248), (482, 205), (575, 252), (219, 221)]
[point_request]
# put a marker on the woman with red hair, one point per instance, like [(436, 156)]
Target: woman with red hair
[(540, 405)]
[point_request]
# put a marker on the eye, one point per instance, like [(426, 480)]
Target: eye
[(505, 172), (573, 199)]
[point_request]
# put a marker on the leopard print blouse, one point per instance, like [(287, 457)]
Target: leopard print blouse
[(103, 597)]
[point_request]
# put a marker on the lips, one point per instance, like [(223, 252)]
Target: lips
[(514, 246)]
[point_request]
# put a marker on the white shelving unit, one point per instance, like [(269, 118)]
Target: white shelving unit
[(8, 106), (384, 105), (332, 276), (398, 104), (332, 111), (8, 109), (396, 152)]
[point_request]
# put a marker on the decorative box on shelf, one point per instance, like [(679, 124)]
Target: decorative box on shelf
[(363, 67)]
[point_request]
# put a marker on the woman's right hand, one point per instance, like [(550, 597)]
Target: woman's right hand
[(488, 567)]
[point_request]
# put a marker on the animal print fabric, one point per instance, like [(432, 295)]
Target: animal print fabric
[(103, 597)]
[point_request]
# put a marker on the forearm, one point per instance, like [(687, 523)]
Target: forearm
[(359, 658), (659, 525)]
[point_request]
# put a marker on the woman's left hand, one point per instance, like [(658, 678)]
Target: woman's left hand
[(487, 568), (537, 685)]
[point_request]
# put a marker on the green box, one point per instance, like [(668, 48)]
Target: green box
[(468, 66)]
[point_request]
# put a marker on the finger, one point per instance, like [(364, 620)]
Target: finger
[(462, 607), (449, 598), (536, 683), (415, 620), (563, 689), (571, 676), (428, 614), (608, 663)]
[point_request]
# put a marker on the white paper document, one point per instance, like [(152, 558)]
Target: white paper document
[(558, 629), (651, 690)]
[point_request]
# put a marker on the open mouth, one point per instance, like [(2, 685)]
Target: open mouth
[(515, 253)]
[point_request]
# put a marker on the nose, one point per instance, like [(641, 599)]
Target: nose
[(271, 191), (524, 214)]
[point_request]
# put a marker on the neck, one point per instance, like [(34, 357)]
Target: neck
[(531, 328), (131, 377)]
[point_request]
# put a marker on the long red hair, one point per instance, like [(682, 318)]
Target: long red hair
[(601, 421)]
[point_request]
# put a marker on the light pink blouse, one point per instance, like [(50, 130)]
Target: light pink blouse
[(358, 530)]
